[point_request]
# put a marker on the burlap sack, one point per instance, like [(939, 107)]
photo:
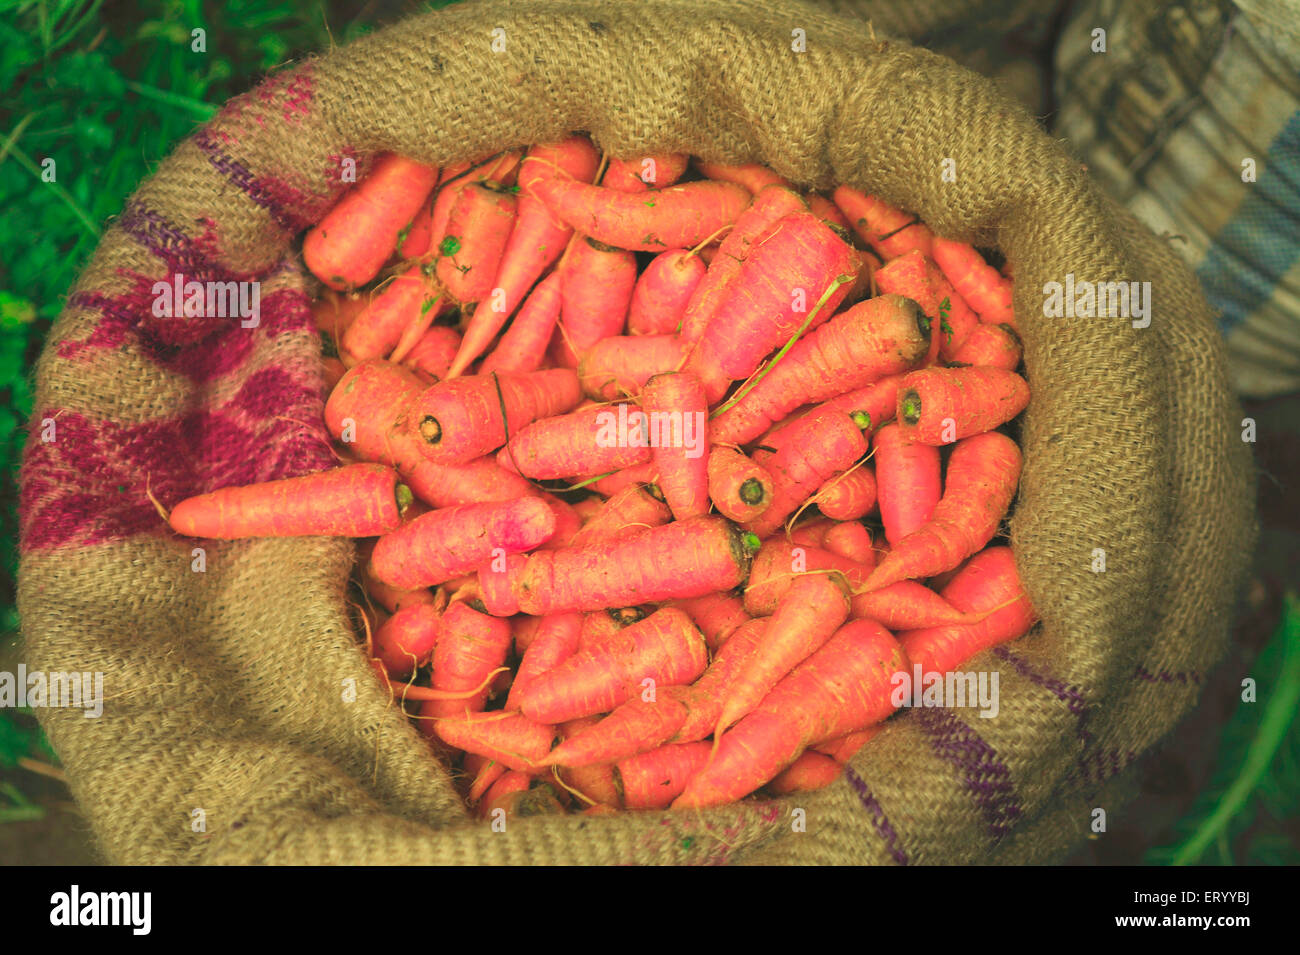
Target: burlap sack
[(228, 690)]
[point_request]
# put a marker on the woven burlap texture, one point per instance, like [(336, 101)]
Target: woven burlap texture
[(228, 690)]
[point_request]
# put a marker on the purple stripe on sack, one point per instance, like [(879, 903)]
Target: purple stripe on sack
[(88, 484), (1167, 676), (1096, 767), (878, 819), (1067, 694), (987, 778), (283, 202)]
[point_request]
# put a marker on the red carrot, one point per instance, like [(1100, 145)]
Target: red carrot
[(498, 170), (334, 313), (907, 481), (810, 451), (656, 171), (626, 514), (981, 480), (844, 748), (556, 640), (688, 558), (906, 605), (485, 772), (740, 488), (535, 242), (357, 500), (889, 231), (827, 211), (414, 239), (523, 346), (409, 298), (636, 726), (391, 599), (644, 473), (976, 281), (805, 618), (681, 451), (717, 615), (676, 217), (594, 441), (779, 563), (915, 276), (653, 780), (790, 273), (877, 401), (988, 584), (851, 540), (845, 685), (663, 291), (433, 351), (349, 246), (466, 418), (514, 741), (495, 583), (470, 646), (874, 339), (455, 540), (942, 405), (990, 346), (768, 206), (620, 365), (502, 793), (478, 228), (752, 176), (809, 772), (848, 495), (596, 783), (665, 648), (595, 295), (406, 640)]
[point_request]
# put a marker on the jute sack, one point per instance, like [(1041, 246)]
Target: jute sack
[(240, 723)]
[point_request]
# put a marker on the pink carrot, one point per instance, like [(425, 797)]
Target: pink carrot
[(681, 450)]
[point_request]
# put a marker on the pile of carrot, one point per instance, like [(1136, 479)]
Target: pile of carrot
[(661, 470)]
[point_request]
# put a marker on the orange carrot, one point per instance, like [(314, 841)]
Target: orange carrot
[(485, 773), (653, 780), (357, 500), (567, 522), (844, 748), (845, 685), (809, 452), (847, 495), (478, 228), (906, 605), (740, 488), (681, 452), (504, 792), (523, 345), (990, 346), (663, 291), (334, 313), (595, 782), (556, 640), (676, 217), (877, 401), (752, 176), (805, 618), (619, 366), (717, 615), (391, 599), (636, 726), (595, 295), (988, 584), (644, 473), (349, 246), (535, 242), (626, 514), (779, 563), (456, 540), (976, 281), (414, 240), (470, 646), (889, 231), (495, 582), (465, 418), (907, 481), (942, 405), (768, 206), (874, 339), (406, 640), (688, 558), (498, 170), (594, 441), (948, 320), (333, 371), (433, 352), (664, 648), (810, 771), (514, 741), (851, 540), (981, 480), (793, 278), (640, 173), (827, 211), (525, 628), (408, 298)]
